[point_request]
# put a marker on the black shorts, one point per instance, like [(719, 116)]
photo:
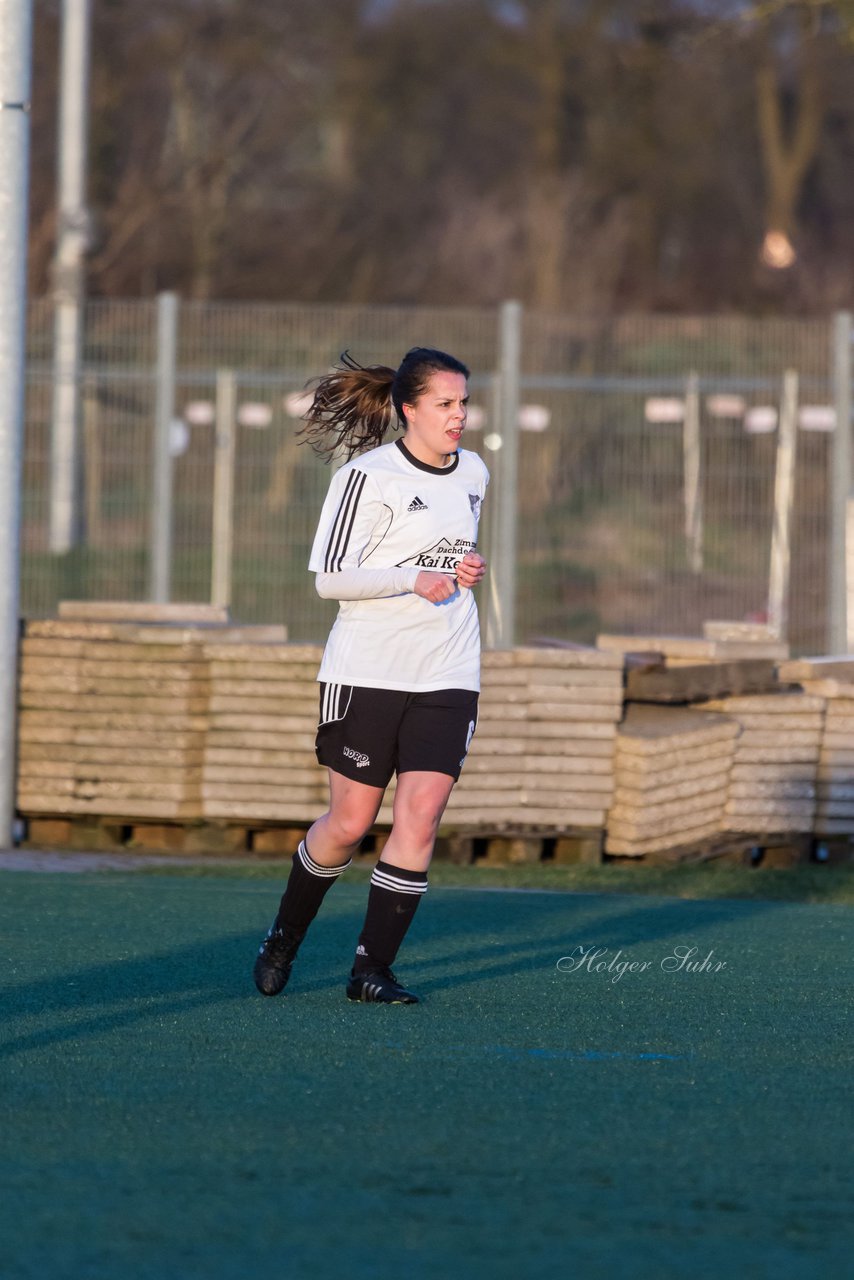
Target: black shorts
[(369, 734)]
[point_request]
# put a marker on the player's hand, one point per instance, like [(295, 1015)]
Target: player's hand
[(435, 587), (470, 569)]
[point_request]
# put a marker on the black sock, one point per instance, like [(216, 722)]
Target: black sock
[(392, 902), (307, 886)]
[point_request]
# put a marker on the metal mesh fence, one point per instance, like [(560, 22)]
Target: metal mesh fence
[(611, 535), (603, 489)]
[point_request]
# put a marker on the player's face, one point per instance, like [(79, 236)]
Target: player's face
[(437, 420)]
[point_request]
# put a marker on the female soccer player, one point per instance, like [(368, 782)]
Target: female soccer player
[(400, 673)]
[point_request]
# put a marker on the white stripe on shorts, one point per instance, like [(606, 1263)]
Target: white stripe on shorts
[(333, 704)]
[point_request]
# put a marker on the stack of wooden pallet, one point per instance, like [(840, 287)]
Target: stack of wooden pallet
[(544, 748), (259, 760), (672, 769), (831, 679), (773, 785)]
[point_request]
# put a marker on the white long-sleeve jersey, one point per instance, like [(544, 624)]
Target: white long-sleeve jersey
[(389, 513)]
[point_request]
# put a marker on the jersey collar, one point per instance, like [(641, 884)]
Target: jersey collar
[(425, 466)]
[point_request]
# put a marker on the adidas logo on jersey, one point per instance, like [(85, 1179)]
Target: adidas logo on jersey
[(417, 505)]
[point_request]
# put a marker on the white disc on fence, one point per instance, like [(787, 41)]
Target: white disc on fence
[(199, 413), (298, 403), (760, 420), (256, 415), (662, 409), (534, 417)]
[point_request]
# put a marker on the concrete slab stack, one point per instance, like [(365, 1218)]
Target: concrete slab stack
[(773, 783), (544, 748), (672, 768), (832, 680), (258, 758)]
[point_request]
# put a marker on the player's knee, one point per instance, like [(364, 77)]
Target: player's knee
[(421, 821), (349, 828)]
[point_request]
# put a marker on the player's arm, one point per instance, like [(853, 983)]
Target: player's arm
[(365, 584), (374, 584)]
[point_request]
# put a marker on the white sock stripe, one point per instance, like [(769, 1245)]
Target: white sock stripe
[(383, 880), (314, 867)]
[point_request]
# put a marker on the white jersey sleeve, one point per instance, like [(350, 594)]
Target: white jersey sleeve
[(354, 518), (365, 584)]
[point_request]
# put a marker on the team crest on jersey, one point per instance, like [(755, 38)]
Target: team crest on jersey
[(474, 499)]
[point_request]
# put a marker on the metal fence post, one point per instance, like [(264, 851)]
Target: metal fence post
[(15, 63), (784, 490), (692, 456), (68, 277), (492, 612), (839, 614), (160, 532), (503, 553), (225, 448)]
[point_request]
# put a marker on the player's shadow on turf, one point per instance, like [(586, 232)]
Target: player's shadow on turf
[(527, 934), (525, 945), (123, 992)]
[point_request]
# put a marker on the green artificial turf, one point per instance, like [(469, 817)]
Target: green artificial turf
[(160, 1119), (806, 882)]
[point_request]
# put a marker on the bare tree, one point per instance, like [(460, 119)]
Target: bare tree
[(789, 139)]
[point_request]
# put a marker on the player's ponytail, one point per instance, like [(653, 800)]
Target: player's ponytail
[(352, 408), (355, 405)]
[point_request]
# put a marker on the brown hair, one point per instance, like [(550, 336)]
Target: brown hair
[(355, 405)]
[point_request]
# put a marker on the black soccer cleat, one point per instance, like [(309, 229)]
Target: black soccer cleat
[(379, 986), (275, 959)]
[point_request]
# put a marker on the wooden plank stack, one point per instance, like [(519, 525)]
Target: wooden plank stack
[(543, 752), (773, 783), (258, 753), (672, 768), (831, 679)]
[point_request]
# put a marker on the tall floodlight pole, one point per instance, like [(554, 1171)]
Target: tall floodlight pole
[(16, 25), (68, 278)]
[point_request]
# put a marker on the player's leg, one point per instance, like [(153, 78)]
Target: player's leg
[(419, 803), (333, 838), (434, 736), (359, 754)]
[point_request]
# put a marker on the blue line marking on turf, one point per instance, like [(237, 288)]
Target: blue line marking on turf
[(579, 1055)]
